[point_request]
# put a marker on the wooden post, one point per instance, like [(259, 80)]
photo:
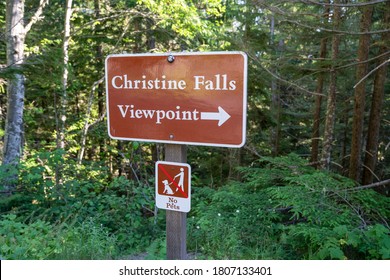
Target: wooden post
[(176, 222)]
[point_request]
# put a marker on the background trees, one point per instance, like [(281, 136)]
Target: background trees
[(15, 33), (318, 87)]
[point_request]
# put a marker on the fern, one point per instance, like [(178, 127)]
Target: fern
[(286, 209)]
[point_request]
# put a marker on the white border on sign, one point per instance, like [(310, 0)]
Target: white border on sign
[(163, 199), (244, 109)]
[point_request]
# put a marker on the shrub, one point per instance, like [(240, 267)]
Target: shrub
[(123, 207), (21, 241), (88, 241), (41, 240), (284, 209)]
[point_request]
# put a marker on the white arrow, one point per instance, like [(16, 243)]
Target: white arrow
[(221, 116)]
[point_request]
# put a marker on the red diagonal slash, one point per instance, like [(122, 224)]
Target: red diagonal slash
[(171, 179)]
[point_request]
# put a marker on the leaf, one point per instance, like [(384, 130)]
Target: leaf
[(336, 253)]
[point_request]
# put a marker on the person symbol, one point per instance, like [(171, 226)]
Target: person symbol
[(180, 182), (167, 188)]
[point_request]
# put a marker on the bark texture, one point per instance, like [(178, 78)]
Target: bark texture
[(331, 102), (360, 95), (371, 153), (317, 109), (13, 140)]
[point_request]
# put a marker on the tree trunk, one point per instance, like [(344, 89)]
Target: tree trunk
[(344, 157), (99, 59), (371, 154), (64, 95), (331, 102), (315, 139), (65, 73), (13, 140), (317, 110), (275, 112), (360, 95), (100, 68), (85, 129), (275, 98)]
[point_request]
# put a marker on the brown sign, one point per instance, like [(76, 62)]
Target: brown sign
[(181, 98)]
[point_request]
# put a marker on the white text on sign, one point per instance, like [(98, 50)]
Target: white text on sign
[(172, 204), (131, 112), (218, 82)]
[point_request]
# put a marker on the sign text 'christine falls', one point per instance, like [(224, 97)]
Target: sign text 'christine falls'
[(182, 98)]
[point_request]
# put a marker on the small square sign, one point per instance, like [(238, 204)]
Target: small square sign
[(173, 186)]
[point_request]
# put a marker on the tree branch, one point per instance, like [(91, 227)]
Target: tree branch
[(344, 5), (373, 2), (36, 16), (87, 117), (373, 185), (372, 71), (335, 30), (364, 61), (298, 19), (283, 80)]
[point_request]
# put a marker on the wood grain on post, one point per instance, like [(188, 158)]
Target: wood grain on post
[(176, 222)]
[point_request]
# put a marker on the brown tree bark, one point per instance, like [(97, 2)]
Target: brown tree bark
[(275, 98), (99, 60), (317, 109), (331, 102), (100, 68), (360, 95), (315, 138), (371, 153)]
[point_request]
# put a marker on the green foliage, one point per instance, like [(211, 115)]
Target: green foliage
[(88, 241), (102, 206), (377, 242), (193, 24), (8, 175), (121, 207), (38, 177), (157, 250), (280, 209), (40, 240), (244, 230), (285, 209), (21, 241), (181, 16)]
